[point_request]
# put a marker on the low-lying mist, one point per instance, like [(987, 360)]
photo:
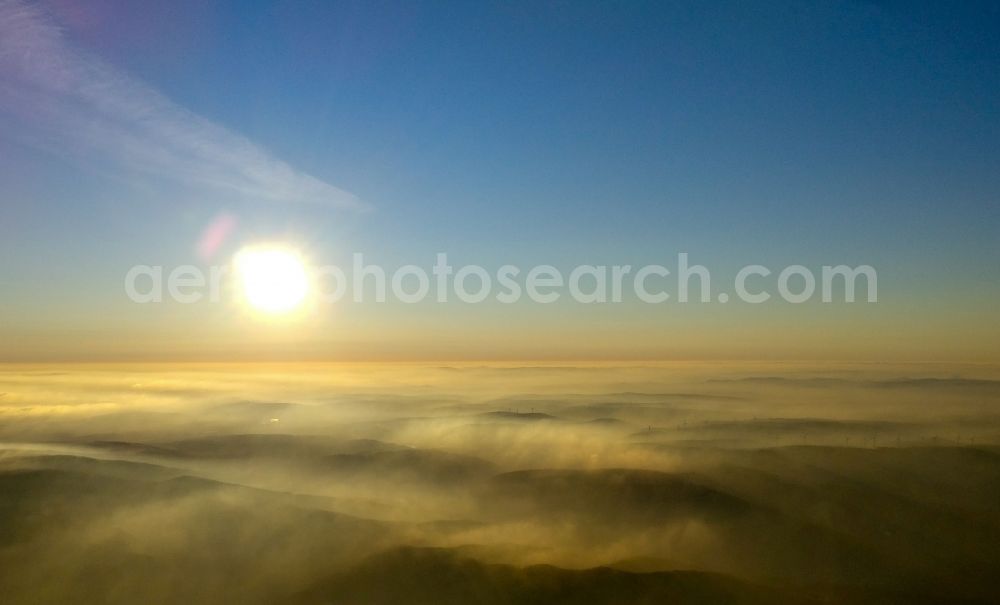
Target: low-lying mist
[(590, 483)]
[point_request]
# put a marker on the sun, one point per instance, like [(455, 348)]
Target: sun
[(274, 279)]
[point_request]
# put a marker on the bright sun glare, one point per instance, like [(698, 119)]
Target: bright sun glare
[(274, 279)]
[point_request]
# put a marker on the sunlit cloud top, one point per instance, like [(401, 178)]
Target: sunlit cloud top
[(69, 101)]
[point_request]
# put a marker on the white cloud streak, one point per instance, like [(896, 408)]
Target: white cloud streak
[(76, 104)]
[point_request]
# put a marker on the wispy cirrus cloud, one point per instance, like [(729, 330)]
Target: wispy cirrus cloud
[(72, 102)]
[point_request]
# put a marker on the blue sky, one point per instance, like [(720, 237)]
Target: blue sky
[(566, 133)]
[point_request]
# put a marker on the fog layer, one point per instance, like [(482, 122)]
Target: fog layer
[(707, 483)]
